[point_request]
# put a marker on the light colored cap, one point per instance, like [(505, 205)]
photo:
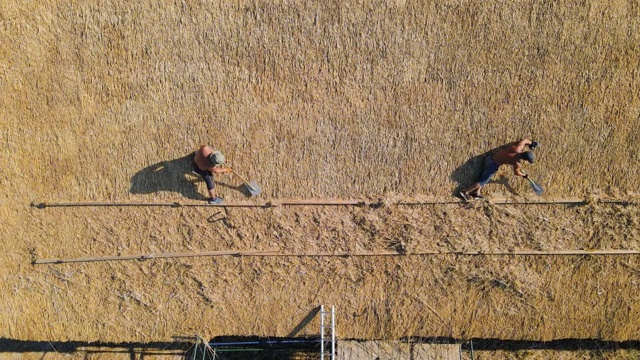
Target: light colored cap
[(217, 158)]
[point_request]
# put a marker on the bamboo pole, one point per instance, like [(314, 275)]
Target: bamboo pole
[(159, 256), (44, 205), (323, 202), (274, 253), (331, 202), (472, 253)]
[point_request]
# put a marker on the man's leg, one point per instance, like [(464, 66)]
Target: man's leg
[(212, 193), (211, 185), (473, 189), (208, 179), (489, 168), (211, 188)]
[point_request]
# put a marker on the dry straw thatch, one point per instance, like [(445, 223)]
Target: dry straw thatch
[(395, 99)]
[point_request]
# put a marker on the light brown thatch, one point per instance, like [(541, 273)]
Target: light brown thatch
[(325, 99)]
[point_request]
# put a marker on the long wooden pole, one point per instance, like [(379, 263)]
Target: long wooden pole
[(44, 205), (160, 256), (328, 202), (275, 253), (474, 253)]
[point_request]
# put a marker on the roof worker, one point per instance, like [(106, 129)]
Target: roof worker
[(206, 163), (513, 154)]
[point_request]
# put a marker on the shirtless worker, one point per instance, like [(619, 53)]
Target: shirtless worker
[(512, 155), (206, 163)]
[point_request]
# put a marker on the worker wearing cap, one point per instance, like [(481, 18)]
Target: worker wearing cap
[(513, 154), (206, 163)]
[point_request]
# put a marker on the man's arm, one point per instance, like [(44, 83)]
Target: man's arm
[(521, 145)]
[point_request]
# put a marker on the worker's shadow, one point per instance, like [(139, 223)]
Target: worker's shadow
[(307, 319), (172, 176), (469, 172)]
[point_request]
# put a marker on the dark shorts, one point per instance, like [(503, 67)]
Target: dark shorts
[(490, 168), (206, 175)]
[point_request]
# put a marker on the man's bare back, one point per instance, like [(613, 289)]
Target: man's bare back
[(508, 156), (202, 158)]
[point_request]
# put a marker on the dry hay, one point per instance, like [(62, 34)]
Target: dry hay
[(385, 100)]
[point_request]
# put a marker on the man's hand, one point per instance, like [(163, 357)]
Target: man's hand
[(220, 170)]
